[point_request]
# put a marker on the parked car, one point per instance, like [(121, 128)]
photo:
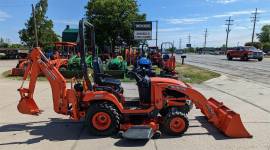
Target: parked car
[(245, 53)]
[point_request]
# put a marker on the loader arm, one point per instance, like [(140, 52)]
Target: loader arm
[(39, 63), (225, 119)]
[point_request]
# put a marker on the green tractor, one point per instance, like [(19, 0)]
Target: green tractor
[(116, 67), (73, 68)]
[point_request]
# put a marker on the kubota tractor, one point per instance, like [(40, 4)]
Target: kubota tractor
[(159, 106)]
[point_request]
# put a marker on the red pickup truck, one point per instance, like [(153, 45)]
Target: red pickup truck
[(245, 53)]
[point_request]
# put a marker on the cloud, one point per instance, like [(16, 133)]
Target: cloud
[(67, 22), (187, 20), (237, 13), (222, 1), (4, 16), (263, 22), (170, 29)]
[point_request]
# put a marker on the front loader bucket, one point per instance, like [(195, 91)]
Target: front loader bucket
[(28, 106), (228, 121)]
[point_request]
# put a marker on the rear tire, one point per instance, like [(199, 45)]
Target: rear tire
[(260, 59), (103, 119), (175, 123), (229, 57)]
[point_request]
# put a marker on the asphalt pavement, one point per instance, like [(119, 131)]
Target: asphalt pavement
[(252, 70)]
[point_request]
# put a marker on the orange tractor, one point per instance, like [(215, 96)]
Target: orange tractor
[(159, 107), (168, 61), (63, 50)]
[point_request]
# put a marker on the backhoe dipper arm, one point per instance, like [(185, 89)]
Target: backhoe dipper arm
[(39, 63)]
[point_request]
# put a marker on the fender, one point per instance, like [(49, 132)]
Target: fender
[(91, 96)]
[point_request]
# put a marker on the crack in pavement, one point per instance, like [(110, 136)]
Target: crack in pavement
[(155, 144), (77, 139), (241, 99)]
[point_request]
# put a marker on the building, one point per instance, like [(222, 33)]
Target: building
[(70, 34)]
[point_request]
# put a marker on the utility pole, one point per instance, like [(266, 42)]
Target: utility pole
[(180, 43), (254, 20), (35, 24), (205, 37), (228, 30), (157, 35), (189, 39)]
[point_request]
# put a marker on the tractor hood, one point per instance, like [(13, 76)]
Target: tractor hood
[(168, 81)]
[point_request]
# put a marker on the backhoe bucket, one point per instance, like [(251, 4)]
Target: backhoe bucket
[(228, 121), (28, 106)]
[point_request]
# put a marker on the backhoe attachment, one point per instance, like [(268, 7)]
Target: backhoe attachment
[(225, 119)]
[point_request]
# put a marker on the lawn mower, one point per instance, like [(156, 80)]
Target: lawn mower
[(116, 67), (143, 65), (159, 106), (73, 67)]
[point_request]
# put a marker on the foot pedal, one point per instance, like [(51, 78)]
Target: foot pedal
[(139, 133)]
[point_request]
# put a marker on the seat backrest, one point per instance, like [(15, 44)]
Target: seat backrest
[(145, 90), (98, 65)]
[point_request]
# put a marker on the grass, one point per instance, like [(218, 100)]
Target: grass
[(7, 74), (186, 73), (193, 74)]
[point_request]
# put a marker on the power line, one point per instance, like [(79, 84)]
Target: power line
[(228, 30), (254, 20)]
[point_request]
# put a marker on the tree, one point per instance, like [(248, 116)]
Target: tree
[(266, 47), (3, 43), (264, 36), (258, 45), (113, 21), (45, 31)]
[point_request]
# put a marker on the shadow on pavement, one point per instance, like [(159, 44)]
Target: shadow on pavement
[(239, 60), (62, 130), (130, 143), (212, 130), (53, 130)]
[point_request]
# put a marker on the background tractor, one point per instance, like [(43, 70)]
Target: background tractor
[(116, 66), (168, 61), (58, 56)]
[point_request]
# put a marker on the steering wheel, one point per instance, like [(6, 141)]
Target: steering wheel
[(134, 74)]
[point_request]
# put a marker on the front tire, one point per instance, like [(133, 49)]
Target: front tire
[(244, 58), (260, 59), (103, 119), (175, 123)]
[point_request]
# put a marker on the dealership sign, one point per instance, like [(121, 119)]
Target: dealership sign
[(143, 30)]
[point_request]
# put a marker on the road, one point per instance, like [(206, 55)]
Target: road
[(53, 131), (251, 70)]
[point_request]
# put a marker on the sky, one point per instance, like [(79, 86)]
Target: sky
[(176, 18)]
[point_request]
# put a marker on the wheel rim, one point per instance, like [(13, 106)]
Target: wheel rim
[(177, 125), (101, 121)]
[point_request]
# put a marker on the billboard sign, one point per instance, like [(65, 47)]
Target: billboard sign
[(143, 30)]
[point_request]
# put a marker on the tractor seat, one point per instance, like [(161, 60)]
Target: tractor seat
[(166, 57), (102, 79), (110, 81)]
